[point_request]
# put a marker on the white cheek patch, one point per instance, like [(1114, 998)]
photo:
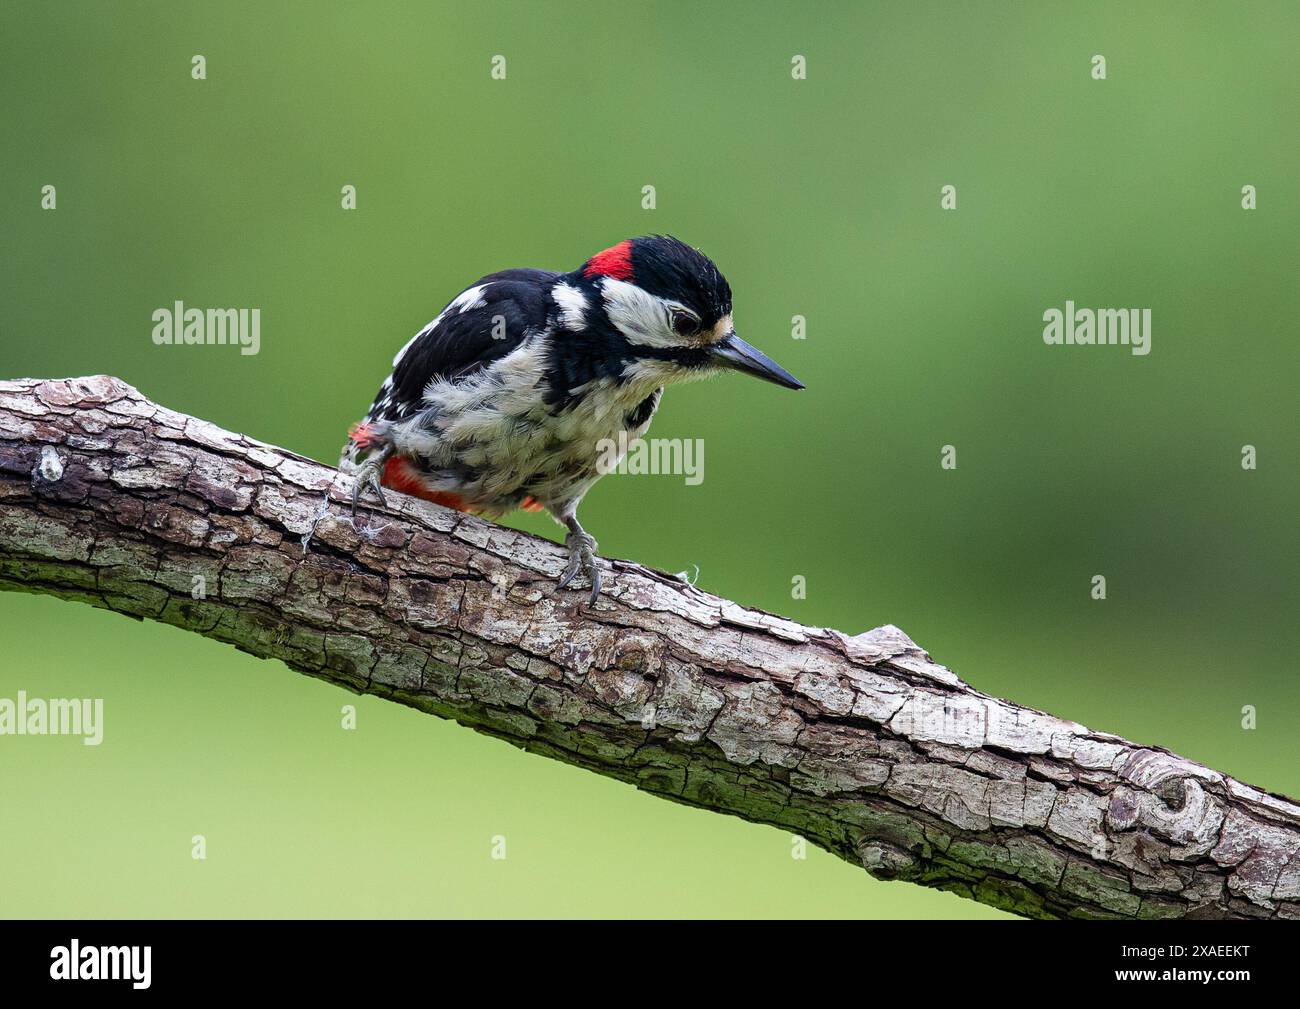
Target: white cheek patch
[(638, 315), (572, 304)]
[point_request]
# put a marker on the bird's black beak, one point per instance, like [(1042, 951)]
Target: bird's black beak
[(733, 352)]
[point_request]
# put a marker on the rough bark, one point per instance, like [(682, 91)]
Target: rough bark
[(862, 744)]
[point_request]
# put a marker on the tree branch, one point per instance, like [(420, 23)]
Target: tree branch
[(864, 745)]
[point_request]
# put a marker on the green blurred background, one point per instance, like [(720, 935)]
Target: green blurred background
[(817, 197)]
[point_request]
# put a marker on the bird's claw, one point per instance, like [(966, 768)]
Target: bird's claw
[(582, 557), (367, 478)]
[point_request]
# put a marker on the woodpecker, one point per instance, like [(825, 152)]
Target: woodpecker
[(504, 400)]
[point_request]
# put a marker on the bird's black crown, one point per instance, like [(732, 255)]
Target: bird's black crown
[(669, 268)]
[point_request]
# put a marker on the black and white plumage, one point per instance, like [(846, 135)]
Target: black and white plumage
[(511, 396)]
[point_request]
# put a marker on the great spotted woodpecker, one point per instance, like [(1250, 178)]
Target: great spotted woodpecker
[(504, 400)]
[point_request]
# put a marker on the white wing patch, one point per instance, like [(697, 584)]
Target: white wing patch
[(573, 306), (470, 298), (496, 424)]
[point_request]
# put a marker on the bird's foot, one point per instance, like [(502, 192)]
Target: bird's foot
[(582, 557), (367, 477)]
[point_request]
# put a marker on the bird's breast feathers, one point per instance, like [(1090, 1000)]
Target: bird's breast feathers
[(509, 393), (497, 435)]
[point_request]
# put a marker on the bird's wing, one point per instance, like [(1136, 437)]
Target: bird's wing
[(483, 323)]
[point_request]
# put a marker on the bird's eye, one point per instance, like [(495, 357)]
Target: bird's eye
[(685, 324)]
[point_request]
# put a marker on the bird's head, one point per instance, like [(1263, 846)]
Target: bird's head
[(672, 306)]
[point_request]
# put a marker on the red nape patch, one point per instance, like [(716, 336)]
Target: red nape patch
[(616, 261), (400, 475), (361, 435)]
